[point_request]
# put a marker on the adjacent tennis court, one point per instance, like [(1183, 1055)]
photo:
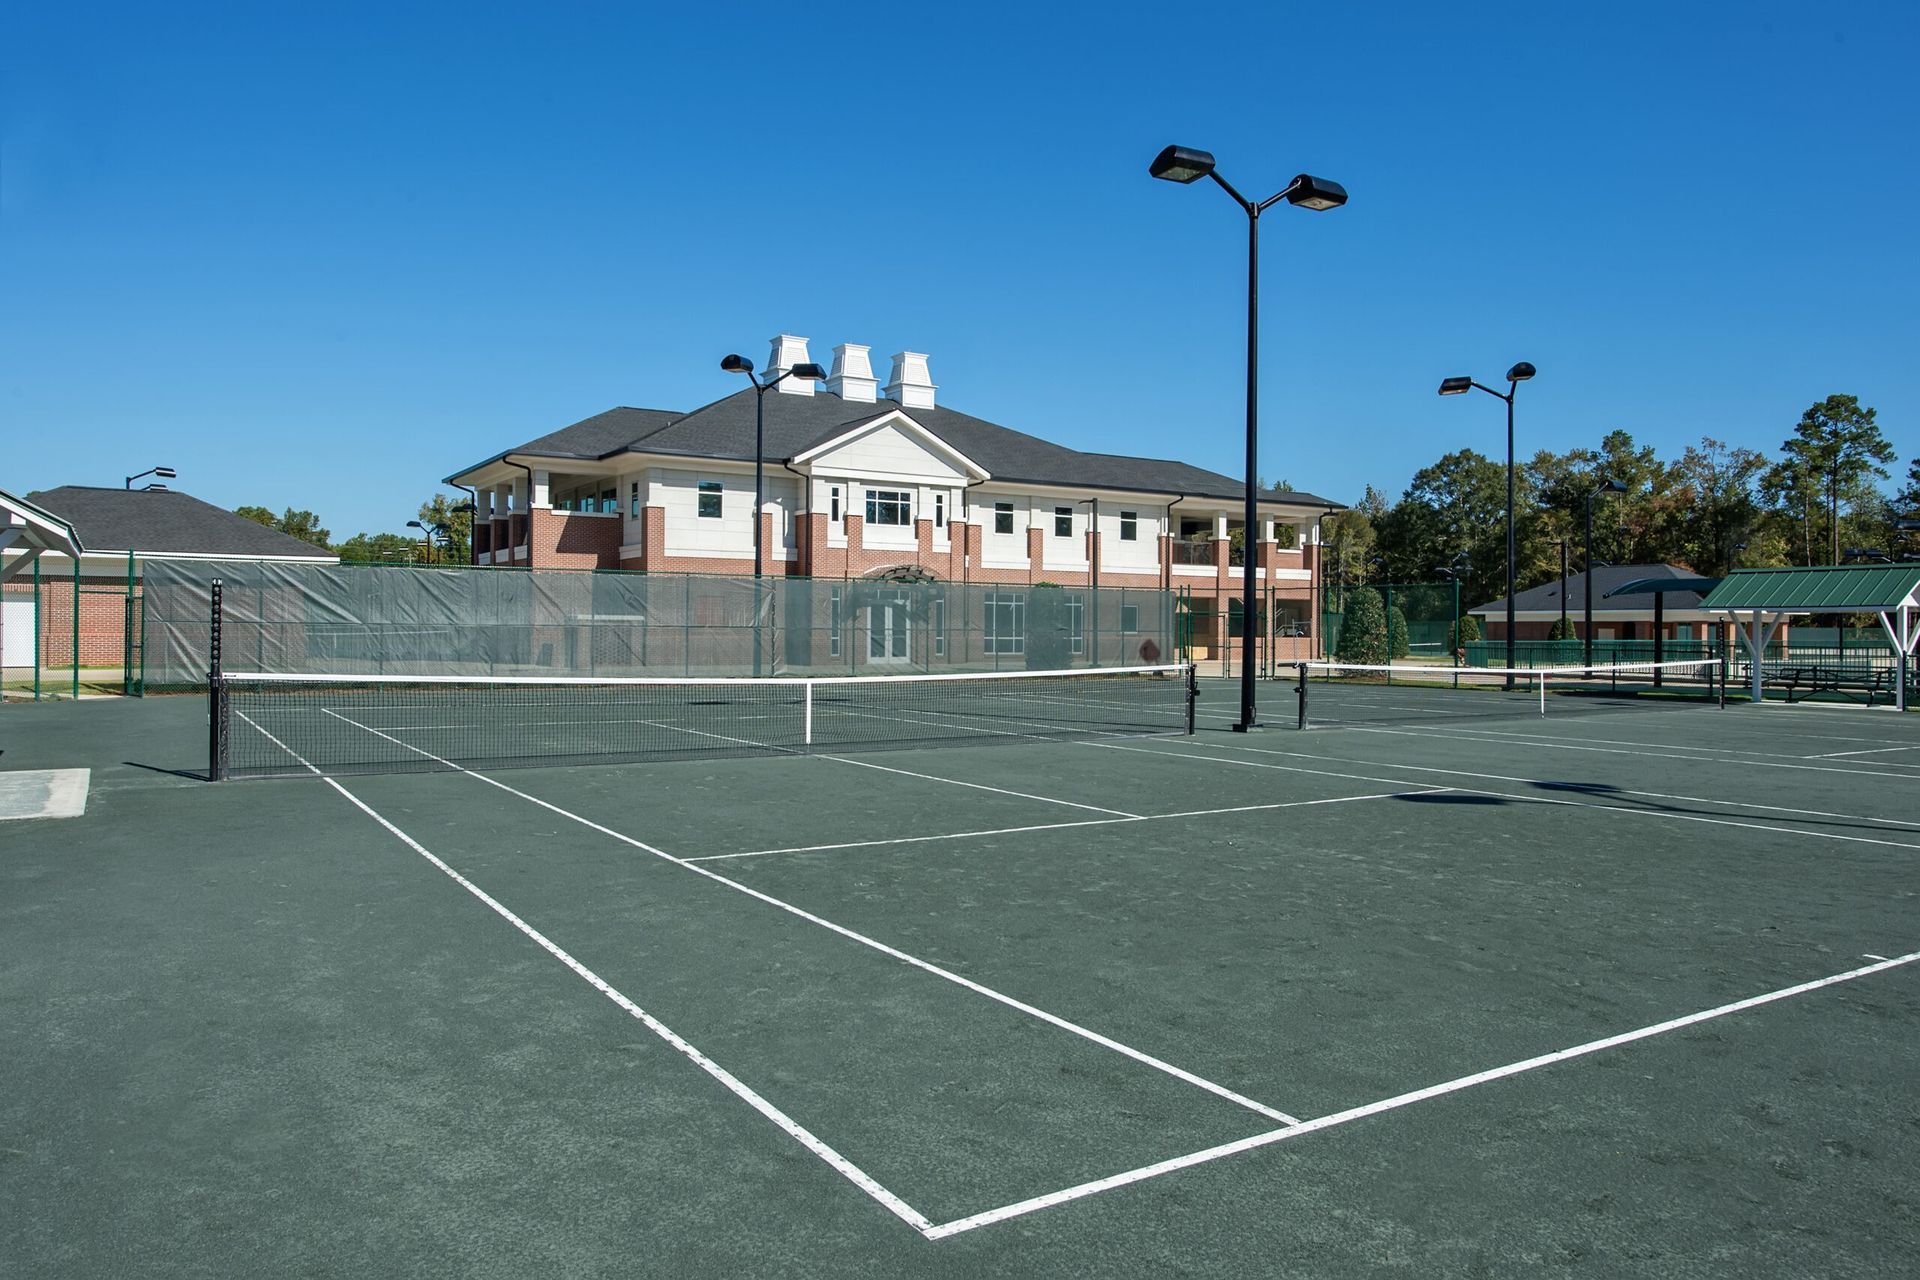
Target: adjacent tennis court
[(1450, 993)]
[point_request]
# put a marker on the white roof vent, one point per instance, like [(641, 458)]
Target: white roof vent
[(911, 384), (852, 377), (789, 351)]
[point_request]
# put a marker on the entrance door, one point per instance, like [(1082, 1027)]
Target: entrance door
[(16, 633), (888, 629)]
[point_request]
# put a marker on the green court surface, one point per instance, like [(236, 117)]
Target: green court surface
[(1629, 993)]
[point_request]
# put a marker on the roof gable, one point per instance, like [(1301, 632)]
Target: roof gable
[(892, 443), (1607, 579), (165, 521)]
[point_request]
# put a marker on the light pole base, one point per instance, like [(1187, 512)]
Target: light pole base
[(1255, 727)]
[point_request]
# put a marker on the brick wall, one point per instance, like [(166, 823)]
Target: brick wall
[(562, 540), (103, 620)]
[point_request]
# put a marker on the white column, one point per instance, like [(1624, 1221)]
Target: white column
[(542, 490), (1219, 528)]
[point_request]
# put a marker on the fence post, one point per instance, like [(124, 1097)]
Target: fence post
[(39, 622), (1387, 587), (75, 655)]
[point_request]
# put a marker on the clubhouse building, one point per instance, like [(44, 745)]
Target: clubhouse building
[(872, 481)]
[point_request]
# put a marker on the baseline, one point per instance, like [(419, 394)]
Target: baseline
[(1456, 1085)]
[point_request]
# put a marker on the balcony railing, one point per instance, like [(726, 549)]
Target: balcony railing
[(1193, 553)]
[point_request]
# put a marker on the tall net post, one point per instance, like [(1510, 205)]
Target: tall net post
[(216, 695)]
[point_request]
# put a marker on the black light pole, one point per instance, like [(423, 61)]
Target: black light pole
[(1563, 586), (1586, 618), (165, 473), (740, 364), (427, 532), (1184, 165), (1460, 386)]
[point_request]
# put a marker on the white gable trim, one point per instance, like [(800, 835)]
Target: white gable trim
[(899, 419)]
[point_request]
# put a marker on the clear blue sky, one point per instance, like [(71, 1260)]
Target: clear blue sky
[(322, 255)]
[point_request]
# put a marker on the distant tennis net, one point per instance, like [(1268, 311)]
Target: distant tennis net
[(275, 725), (1335, 694)]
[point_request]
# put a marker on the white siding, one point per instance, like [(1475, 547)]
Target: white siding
[(1001, 550), (687, 532), (1143, 554), (890, 454)]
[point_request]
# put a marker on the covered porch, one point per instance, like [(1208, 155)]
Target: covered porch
[(1758, 601)]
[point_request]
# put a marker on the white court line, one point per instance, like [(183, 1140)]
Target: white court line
[(1527, 798), (1062, 826), (734, 1085), (981, 786), (925, 966), (1559, 745), (1498, 735), (1621, 791), (1052, 1199), (1875, 751)]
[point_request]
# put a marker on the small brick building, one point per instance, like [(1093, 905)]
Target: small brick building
[(116, 533)]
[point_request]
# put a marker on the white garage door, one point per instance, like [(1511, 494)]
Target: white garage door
[(16, 633)]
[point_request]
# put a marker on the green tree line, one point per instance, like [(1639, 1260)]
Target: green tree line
[(451, 541), (1817, 500)]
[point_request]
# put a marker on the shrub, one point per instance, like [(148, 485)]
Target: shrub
[(1562, 629), (1398, 643), (1467, 632), (1363, 628)]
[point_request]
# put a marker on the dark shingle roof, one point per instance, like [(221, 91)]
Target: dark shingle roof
[(795, 424), (159, 520), (1545, 598)]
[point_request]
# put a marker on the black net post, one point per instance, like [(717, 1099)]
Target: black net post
[(1193, 695), (216, 695), (1303, 696)]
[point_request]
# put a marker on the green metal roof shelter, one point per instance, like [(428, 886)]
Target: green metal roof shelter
[(1757, 601)]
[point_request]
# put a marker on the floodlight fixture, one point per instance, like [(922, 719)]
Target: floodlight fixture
[(165, 473), (736, 364), (1455, 386), (809, 371), (1309, 192), (1183, 165), (1521, 372)]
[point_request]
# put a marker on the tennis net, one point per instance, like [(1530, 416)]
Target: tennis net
[(1335, 694), (278, 725)]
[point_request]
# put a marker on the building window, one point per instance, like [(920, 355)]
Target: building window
[(889, 506), (1076, 617), (939, 510), (833, 504), (1003, 517), (1129, 526), (1063, 522), (1005, 626), (710, 499), (1129, 618), (833, 623), (634, 500)]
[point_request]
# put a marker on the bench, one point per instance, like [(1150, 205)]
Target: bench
[(1872, 681)]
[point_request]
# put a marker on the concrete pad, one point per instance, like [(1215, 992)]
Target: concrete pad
[(43, 793)]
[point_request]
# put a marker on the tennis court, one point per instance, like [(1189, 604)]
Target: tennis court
[(1631, 992)]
